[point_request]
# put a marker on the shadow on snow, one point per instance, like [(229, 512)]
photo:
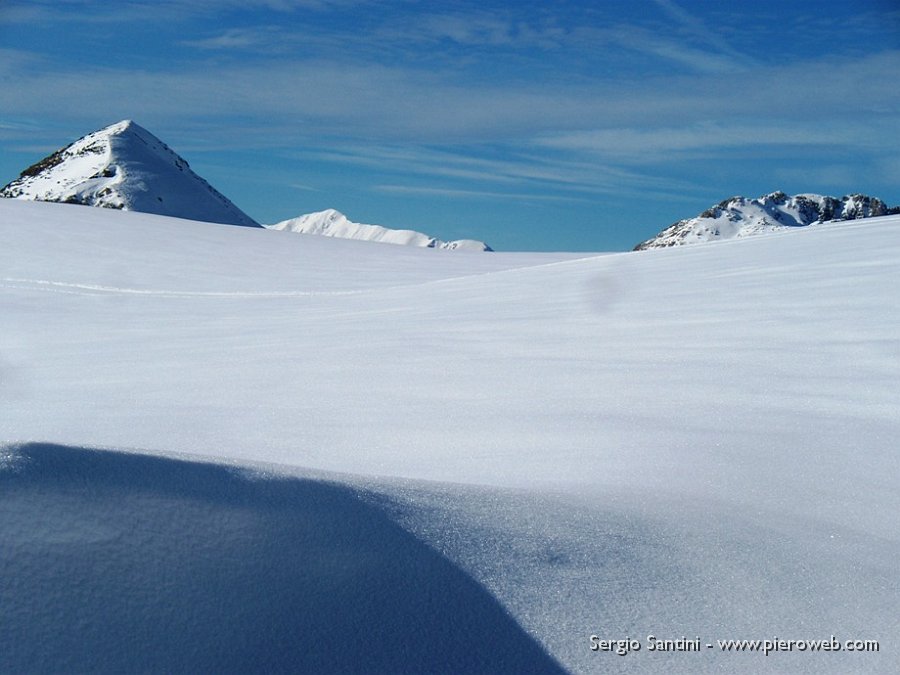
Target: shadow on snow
[(120, 562)]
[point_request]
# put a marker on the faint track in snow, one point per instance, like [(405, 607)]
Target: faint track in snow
[(98, 289), (75, 288)]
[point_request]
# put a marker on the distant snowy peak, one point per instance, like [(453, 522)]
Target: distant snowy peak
[(741, 217), (124, 166), (331, 223)]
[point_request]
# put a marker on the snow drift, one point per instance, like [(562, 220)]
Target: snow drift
[(128, 563)]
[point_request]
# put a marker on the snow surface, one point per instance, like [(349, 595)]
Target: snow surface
[(697, 442), (124, 166), (740, 217), (331, 223)]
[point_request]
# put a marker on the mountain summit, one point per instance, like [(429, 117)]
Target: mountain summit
[(741, 217), (331, 223), (124, 166)]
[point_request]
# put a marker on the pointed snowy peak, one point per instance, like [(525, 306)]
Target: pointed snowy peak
[(124, 166), (741, 217), (332, 223)]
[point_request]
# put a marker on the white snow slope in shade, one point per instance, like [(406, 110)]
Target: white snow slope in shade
[(696, 442), (740, 217), (124, 166), (331, 223), (175, 567)]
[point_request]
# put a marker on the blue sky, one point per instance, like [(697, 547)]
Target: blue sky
[(529, 125)]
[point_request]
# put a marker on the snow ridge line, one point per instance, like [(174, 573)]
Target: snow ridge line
[(71, 287), (74, 288)]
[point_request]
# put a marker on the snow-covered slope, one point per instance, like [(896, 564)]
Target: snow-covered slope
[(124, 166), (740, 217), (385, 440), (331, 223)]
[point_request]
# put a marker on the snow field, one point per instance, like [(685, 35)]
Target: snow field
[(680, 442)]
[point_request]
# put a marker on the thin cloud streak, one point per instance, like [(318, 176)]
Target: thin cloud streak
[(642, 145), (465, 30), (238, 39), (90, 11), (701, 32), (559, 174), (404, 103), (641, 40), (466, 194)]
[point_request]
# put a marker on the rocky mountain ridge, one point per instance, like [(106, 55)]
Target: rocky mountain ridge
[(124, 166), (741, 217)]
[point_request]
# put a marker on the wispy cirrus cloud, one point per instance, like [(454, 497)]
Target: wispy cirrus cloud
[(537, 173), (90, 11), (644, 145), (256, 37), (469, 29), (404, 102), (476, 28), (479, 194), (304, 188), (701, 32), (641, 40), (448, 36), (404, 38)]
